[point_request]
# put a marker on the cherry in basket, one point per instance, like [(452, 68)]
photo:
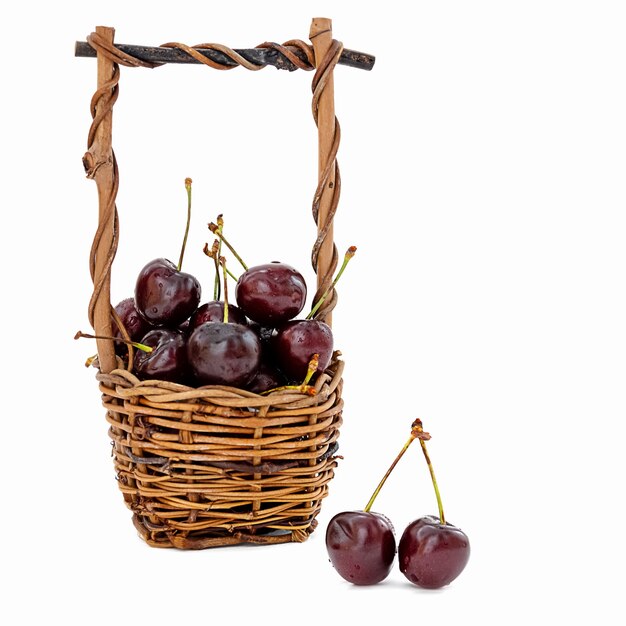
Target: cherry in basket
[(224, 352), (296, 341), (164, 294)]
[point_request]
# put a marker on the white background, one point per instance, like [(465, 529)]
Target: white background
[(483, 162)]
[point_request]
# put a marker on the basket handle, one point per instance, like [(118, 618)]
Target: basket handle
[(324, 257), (100, 164)]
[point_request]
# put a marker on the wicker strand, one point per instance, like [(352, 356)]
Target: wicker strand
[(229, 52), (101, 105), (101, 45), (320, 80), (307, 49)]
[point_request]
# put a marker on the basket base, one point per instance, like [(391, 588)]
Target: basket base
[(185, 542)]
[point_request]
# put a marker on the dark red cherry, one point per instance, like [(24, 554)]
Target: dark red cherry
[(265, 333), (213, 311), (267, 377), (164, 295), (168, 359), (184, 328), (224, 354), (271, 294), (432, 554), (361, 546), (136, 326), (297, 341)]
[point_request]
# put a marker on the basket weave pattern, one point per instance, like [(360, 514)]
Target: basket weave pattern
[(218, 465)]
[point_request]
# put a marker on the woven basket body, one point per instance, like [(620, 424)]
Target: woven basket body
[(217, 465)]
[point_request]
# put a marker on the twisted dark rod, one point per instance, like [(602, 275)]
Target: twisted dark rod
[(258, 56)]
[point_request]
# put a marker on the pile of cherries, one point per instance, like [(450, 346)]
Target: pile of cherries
[(256, 344), (362, 547)]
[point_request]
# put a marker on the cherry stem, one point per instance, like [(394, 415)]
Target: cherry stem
[(182, 250), (432, 473), (211, 253), (214, 228), (346, 259), (222, 262), (140, 346), (304, 387), (217, 247), (311, 369), (416, 433)]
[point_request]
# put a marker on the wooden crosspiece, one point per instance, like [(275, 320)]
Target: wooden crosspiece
[(291, 55)]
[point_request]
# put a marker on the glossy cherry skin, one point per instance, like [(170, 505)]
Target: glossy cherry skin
[(213, 311), (165, 296), (271, 294), (168, 359), (432, 554), (265, 333), (224, 354), (136, 326), (297, 341), (266, 378), (361, 546)]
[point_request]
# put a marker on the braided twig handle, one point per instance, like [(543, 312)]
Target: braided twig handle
[(329, 182)]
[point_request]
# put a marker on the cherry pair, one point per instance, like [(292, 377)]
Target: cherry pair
[(362, 544)]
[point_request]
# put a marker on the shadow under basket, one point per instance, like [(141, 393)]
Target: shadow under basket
[(213, 466)]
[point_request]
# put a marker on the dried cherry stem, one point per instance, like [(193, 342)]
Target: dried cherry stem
[(214, 228), (303, 387), (312, 368), (182, 250), (346, 259), (416, 433), (212, 253), (432, 472), (140, 346)]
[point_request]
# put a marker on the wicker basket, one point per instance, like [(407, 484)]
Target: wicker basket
[(214, 466)]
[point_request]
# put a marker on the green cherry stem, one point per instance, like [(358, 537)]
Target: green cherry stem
[(346, 259), (222, 262), (140, 346), (211, 253), (217, 247), (182, 250), (214, 228), (416, 433), (304, 387), (432, 473)]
